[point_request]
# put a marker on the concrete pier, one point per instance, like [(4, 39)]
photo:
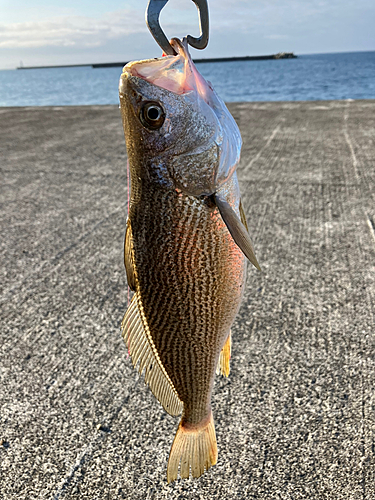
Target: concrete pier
[(295, 419)]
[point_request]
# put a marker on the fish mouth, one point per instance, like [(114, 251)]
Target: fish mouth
[(176, 74)]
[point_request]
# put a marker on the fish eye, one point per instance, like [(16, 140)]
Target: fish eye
[(152, 115)]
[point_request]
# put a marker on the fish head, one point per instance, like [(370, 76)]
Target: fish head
[(175, 124)]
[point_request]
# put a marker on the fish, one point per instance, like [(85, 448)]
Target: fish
[(186, 244)]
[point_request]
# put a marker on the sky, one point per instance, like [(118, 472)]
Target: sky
[(51, 32)]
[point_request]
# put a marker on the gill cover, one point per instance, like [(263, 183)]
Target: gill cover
[(205, 156), (180, 134)]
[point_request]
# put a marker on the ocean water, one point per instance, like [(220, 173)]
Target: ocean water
[(307, 78)]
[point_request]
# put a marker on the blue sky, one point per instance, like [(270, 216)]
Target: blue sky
[(51, 32)]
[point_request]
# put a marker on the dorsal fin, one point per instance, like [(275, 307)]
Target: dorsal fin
[(128, 257), (141, 348)]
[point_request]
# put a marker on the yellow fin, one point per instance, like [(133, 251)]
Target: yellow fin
[(194, 449), (141, 348), (223, 365), (128, 257)]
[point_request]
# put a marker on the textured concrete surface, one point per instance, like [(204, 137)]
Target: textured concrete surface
[(296, 418)]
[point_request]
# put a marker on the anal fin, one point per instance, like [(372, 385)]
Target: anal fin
[(141, 348), (223, 365)]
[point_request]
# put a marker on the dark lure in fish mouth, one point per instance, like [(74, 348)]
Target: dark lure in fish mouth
[(185, 244)]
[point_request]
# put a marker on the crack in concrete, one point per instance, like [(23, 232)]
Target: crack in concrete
[(371, 225), (349, 143), (53, 263), (260, 152), (84, 455)]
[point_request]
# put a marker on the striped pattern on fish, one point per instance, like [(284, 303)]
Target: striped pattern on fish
[(189, 276), (185, 244)]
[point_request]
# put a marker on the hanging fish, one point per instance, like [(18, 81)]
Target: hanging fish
[(185, 244)]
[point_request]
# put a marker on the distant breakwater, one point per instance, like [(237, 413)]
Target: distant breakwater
[(280, 55)]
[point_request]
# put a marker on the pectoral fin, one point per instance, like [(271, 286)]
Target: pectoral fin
[(236, 228)]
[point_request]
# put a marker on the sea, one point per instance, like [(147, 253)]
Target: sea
[(307, 78)]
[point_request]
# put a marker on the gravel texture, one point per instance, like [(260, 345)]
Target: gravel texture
[(296, 418)]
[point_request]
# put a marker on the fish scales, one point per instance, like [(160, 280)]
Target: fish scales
[(185, 244), (182, 253)]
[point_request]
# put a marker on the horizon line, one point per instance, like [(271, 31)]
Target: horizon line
[(200, 60)]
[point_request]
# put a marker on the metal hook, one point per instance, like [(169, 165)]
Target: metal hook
[(152, 20)]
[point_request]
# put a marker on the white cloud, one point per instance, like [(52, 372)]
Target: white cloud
[(71, 30), (177, 19), (238, 27), (277, 37)]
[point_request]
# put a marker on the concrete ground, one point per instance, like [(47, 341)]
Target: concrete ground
[(296, 418)]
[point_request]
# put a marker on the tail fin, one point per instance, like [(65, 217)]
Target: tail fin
[(195, 447)]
